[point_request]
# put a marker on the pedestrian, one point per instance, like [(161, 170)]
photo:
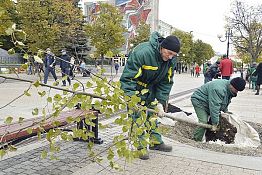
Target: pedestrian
[(212, 98), (151, 65), (72, 67), (197, 70), (258, 73), (212, 72), (116, 67), (192, 70), (252, 78), (226, 67), (207, 76), (50, 63), (65, 67)]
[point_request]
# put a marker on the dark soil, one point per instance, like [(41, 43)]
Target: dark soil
[(183, 132), (226, 132)]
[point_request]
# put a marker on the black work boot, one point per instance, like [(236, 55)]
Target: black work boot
[(161, 147)]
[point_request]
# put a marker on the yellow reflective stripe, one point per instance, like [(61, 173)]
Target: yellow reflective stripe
[(138, 73), (169, 74), (149, 67), (142, 84)]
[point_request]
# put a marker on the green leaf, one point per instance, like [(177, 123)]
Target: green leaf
[(75, 86), (35, 111), (24, 66), (36, 83), (21, 119), (43, 93), (49, 99), (144, 91), (26, 56), (8, 120), (12, 148), (44, 154), (69, 119), (38, 59), (29, 130), (57, 97), (2, 153), (88, 84), (11, 51), (9, 31), (27, 93)]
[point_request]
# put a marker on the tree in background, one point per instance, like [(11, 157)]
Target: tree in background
[(48, 23), (106, 31), (202, 52), (8, 16), (143, 34), (186, 40), (246, 24)]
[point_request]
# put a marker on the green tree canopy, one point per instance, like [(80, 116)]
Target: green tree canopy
[(106, 31), (48, 23)]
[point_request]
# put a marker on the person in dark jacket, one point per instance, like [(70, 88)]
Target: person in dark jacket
[(212, 72), (212, 98), (49, 62), (150, 65), (258, 73), (65, 67)]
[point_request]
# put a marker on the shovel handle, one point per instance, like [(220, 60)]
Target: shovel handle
[(203, 125)]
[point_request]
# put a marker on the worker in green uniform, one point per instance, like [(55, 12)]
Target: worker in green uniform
[(150, 65), (212, 98)]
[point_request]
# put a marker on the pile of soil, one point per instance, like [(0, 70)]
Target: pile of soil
[(183, 132), (226, 132)]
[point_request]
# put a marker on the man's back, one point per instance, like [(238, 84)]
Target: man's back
[(226, 67)]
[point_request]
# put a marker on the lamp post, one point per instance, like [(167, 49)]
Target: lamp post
[(228, 35)]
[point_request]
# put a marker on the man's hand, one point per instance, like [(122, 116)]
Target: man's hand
[(160, 109), (214, 128)]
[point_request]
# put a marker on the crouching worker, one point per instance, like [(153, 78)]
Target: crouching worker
[(212, 98), (150, 65)]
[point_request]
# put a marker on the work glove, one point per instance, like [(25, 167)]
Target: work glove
[(215, 128), (160, 110)]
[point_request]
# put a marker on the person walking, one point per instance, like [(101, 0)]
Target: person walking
[(212, 72), (151, 66), (72, 67), (212, 98), (197, 70), (226, 67), (49, 62), (258, 73), (65, 67), (116, 67), (192, 70), (252, 78)]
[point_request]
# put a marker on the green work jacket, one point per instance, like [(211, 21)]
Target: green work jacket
[(213, 97), (145, 69)]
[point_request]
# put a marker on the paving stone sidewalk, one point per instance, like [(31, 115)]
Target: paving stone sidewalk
[(73, 160)]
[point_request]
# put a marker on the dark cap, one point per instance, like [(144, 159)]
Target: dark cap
[(238, 83), (171, 43)]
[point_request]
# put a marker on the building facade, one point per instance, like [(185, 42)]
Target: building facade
[(164, 28)]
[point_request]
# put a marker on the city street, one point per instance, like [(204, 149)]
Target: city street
[(184, 159)]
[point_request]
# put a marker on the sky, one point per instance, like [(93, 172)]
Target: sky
[(206, 18)]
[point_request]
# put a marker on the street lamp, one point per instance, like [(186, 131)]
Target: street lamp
[(228, 35)]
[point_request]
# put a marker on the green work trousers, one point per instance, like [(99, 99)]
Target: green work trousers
[(202, 116), (155, 137)]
